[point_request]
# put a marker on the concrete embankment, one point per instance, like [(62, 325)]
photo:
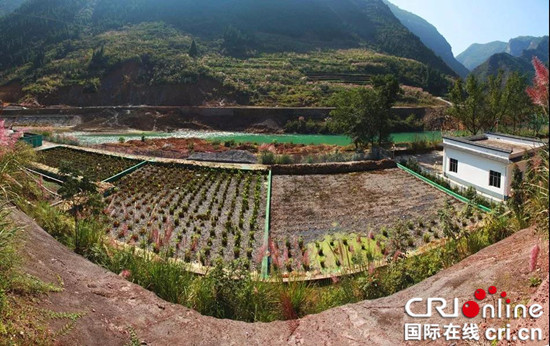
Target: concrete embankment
[(152, 118)]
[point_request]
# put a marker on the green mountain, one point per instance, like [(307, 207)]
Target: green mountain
[(429, 35), (8, 6), (509, 63), (517, 45), (99, 51), (478, 53)]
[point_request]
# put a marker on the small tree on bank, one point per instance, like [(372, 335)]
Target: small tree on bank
[(364, 114), (82, 196)]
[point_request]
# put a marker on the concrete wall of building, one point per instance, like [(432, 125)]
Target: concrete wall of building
[(473, 170)]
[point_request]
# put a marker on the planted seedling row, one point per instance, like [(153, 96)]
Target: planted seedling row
[(344, 249), (95, 166), (193, 213)]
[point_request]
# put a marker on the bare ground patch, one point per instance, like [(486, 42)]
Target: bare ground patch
[(314, 205)]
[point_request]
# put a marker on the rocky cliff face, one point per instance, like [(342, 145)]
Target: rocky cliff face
[(517, 45), (508, 63)]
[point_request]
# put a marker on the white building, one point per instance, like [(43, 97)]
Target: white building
[(486, 162)]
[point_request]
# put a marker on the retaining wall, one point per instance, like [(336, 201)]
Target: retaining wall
[(332, 168), (264, 119)]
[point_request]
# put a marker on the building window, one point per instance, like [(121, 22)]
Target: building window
[(494, 179), (453, 165)]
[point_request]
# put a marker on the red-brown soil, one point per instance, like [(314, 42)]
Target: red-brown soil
[(181, 148), (112, 305)]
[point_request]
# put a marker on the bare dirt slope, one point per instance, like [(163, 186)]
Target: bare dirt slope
[(111, 305)]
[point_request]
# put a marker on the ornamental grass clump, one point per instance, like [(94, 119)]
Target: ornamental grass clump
[(533, 256)]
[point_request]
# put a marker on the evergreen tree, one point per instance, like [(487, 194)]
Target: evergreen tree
[(193, 51), (497, 100)]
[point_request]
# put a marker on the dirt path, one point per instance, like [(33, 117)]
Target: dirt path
[(111, 305)]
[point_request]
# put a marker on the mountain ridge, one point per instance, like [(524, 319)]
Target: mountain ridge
[(477, 53), (509, 63), (368, 23), (430, 36), (8, 6)]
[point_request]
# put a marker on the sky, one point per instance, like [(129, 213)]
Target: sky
[(463, 22)]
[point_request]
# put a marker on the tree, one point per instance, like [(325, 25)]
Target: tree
[(388, 91), (497, 100), (99, 59), (81, 195), (193, 51), (355, 114), (539, 91), (518, 104), (388, 88), (469, 104), (506, 102), (364, 114), (235, 42), (518, 198)]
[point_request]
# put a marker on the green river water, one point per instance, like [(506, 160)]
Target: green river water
[(95, 138)]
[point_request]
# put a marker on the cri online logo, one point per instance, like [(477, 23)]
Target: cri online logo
[(471, 308)]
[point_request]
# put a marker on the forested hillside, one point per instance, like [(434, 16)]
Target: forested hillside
[(8, 6), (86, 47)]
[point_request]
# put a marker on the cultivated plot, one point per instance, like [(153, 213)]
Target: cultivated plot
[(95, 166), (358, 215), (197, 214)]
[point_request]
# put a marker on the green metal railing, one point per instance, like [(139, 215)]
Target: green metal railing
[(443, 189), (125, 172), (265, 260)]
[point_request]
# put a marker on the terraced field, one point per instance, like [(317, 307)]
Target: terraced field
[(376, 212), (319, 223), (193, 213), (97, 167)]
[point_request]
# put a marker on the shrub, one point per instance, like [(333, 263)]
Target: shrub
[(267, 158)]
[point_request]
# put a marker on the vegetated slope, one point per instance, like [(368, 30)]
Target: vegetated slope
[(304, 24), (148, 64), (8, 6), (509, 63), (429, 35), (40, 39), (477, 53), (113, 309)]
